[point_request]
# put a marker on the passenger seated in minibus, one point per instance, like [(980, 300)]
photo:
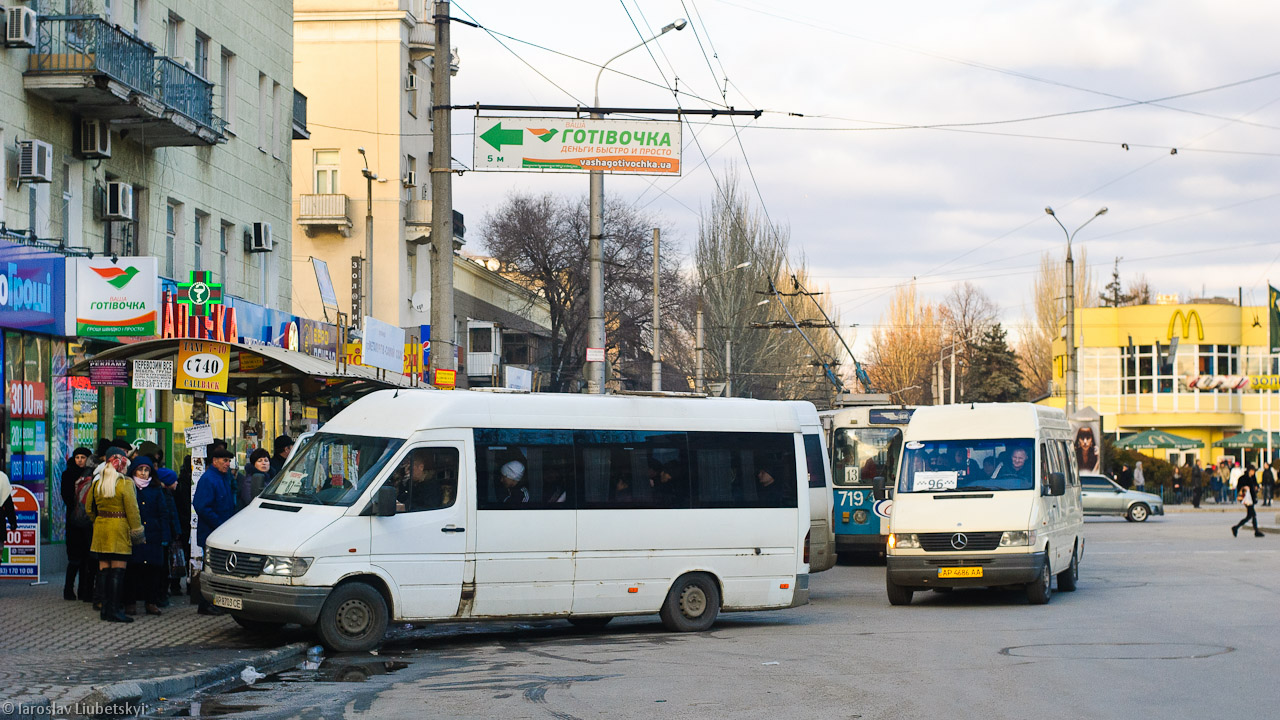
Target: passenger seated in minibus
[(769, 492), (512, 489), (963, 464)]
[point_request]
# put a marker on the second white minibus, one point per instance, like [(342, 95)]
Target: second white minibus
[(987, 495), (425, 505)]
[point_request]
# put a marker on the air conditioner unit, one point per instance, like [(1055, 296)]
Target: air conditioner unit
[(95, 139), (119, 205), (20, 30), (410, 179), (35, 161), (260, 239), (410, 82)]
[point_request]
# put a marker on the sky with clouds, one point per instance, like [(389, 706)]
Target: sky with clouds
[(924, 139)]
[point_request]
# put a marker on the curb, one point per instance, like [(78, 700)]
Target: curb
[(136, 692)]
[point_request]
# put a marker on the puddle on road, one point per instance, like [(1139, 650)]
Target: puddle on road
[(213, 707), (1118, 651)]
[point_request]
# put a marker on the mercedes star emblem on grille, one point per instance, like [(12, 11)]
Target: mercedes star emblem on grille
[(232, 559), (958, 541)]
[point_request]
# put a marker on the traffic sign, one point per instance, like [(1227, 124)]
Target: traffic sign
[(625, 147)]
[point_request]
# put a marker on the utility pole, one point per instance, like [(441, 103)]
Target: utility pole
[(369, 177), (657, 329), (444, 354), (953, 373)]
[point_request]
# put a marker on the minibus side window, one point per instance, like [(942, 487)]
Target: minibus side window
[(1044, 464), (427, 479), (813, 458), (522, 469), (632, 469), (1073, 472), (744, 469)]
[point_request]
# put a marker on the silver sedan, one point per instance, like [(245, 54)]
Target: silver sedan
[(1103, 496)]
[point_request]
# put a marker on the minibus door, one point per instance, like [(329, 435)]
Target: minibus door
[(422, 547)]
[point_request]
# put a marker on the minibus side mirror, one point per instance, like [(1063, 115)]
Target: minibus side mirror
[(384, 503), (1057, 484), (877, 488)]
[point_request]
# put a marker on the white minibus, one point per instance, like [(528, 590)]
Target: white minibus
[(423, 505), (988, 495)]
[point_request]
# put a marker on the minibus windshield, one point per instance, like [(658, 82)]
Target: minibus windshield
[(332, 469), (968, 465)]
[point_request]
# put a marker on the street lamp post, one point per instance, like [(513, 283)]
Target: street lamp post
[(369, 177), (595, 295), (698, 384), (1070, 373)]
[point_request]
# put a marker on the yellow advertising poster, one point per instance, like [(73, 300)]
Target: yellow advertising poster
[(202, 365)]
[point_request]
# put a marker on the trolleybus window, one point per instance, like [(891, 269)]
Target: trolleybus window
[(863, 454)]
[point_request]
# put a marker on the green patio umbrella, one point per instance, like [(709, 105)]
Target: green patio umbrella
[(1249, 440), (1149, 439)]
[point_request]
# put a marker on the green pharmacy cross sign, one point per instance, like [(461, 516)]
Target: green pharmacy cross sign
[(200, 293)]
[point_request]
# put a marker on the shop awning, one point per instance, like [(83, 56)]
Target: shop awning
[(275, 371), (1149, 439), (1249, 440)]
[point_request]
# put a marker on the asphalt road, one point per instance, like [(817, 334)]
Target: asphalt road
[(1174, 618)]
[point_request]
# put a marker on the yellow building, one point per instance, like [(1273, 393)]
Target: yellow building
[(1203, 390)]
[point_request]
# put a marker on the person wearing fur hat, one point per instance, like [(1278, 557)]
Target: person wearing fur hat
[(148, 569), (117, 527)]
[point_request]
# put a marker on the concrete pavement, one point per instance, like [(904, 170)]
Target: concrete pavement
[(57, 652)]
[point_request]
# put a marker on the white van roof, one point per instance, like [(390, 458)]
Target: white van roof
[(978, 421), (400, 413)]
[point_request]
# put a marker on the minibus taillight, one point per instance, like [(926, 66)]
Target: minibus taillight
[(806, 546)]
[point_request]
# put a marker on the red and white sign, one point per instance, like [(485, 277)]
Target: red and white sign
[(27, 399), (20, 557)]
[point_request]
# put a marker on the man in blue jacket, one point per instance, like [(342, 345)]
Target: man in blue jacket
[(214, 503)]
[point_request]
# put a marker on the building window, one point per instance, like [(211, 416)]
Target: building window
[(228, 88), (411, 176), (411, 89), (264, 87), (1144, 371), (277, 120), (140, 18), (173, 36), (326, 168), (202, 55), (224, 232), (172, 233), (201, 231)]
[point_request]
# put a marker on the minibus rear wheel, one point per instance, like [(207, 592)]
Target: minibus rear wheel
[(353, 619), (692, 604)]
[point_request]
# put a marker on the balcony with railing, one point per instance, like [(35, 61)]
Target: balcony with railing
[(102, 71), (321, 213), (99, 68)]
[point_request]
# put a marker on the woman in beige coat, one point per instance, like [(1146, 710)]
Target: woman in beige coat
[(117, 527)]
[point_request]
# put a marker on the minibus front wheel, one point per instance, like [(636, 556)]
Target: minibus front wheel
[(353, 619)]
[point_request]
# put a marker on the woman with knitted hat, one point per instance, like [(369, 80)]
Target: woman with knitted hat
[(148, 569), (113, 507)]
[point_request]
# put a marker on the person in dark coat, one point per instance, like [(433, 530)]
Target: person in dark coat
[(214, 503), (283, 449), (1268, 484), (182, 501), (254, 478), (1247, 494), (77, 476), (148, 564)]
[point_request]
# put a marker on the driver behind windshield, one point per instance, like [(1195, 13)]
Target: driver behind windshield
[(1016, 468)]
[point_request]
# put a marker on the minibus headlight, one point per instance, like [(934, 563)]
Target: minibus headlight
[(1015, 538), (286, 566), (904, 540)]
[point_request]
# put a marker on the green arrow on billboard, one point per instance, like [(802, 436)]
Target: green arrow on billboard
[(497, 137)]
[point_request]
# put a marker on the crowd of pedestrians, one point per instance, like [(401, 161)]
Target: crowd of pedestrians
[(129, 520)]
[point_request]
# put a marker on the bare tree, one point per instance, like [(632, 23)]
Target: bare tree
[(752, 308), (904, 347), (541, 241), (967, 314), (1048, 313)]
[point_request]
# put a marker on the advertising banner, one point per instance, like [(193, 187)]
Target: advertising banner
[(116, 298), (109, 373), (318, 339), (202, 365), (32, 289), (20, 556), (1086, 429), (383, 345), (627, 147), (152, 374)]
